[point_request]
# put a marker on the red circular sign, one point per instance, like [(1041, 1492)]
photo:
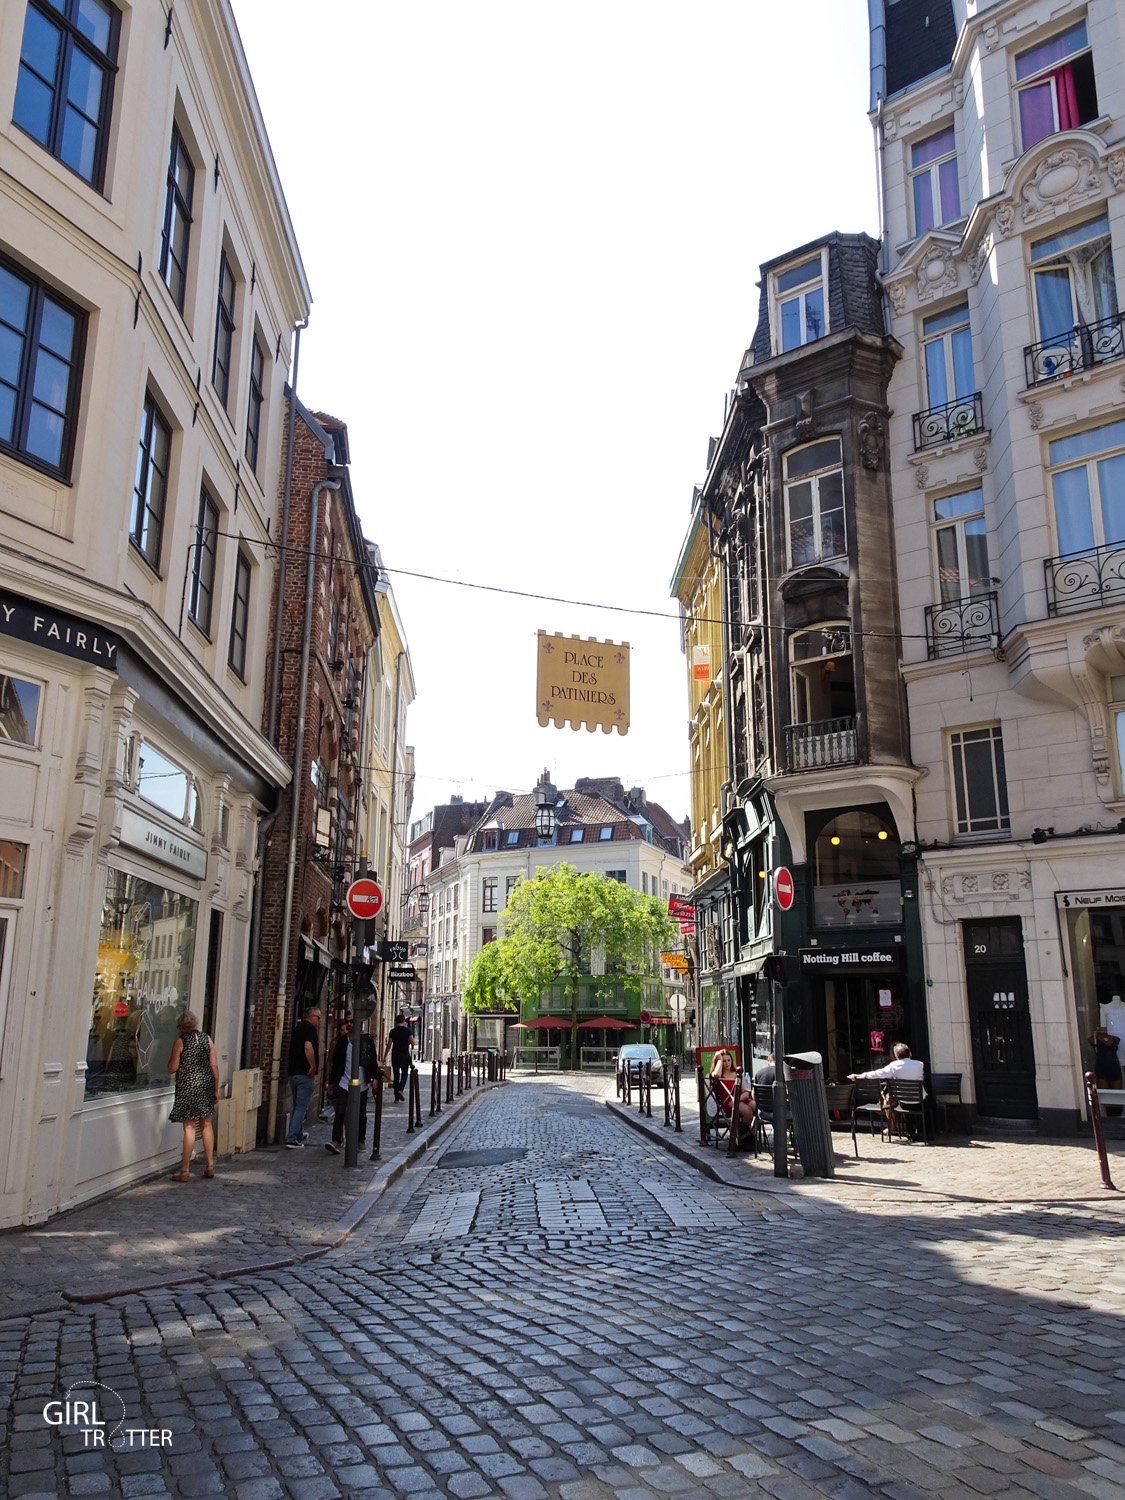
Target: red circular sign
[(364, 898), (121, 1008), (783, 891)]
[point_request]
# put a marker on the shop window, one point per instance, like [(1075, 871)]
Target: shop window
[(1055, 85), (41, 342), (814, 503), (13, 865), (798, 304), (167, 786), (856, 871), (19, 710), (65, 87), (137, 998), (980, 788), (933, 179)]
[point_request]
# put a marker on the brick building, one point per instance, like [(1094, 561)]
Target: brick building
[(325, 637)]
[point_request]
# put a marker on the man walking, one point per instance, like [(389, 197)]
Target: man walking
[(399, 1040), (341, 1075), (304, 1064)]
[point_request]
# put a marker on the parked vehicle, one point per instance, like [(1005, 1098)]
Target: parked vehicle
[(633, 1056)]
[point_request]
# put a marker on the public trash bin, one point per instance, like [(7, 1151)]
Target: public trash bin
[(491, 1053), (812, 1132)]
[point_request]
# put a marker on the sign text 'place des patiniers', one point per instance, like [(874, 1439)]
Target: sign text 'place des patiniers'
[(583, 683)]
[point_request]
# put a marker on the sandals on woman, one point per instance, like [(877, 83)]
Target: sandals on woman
[(181, 1176)]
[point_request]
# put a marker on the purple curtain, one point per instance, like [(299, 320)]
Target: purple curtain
[(1037, 115), (1067, 97)]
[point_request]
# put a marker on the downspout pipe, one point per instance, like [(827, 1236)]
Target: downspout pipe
[(279, 606), (877, 20), (388, 863), (295, 806)]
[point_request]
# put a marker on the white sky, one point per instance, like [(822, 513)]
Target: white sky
[(533, 235)]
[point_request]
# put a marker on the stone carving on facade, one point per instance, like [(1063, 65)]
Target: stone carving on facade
[(983, 887), (870, 432), (980, 457), (890, 128), (805, 424), (990, 36), (980, 257), (1000, 879), (922, 476), (896, 291), (1035, 414), (1005, 220), (1115, 166), (970, 884), (937, 273), (1063, 179)]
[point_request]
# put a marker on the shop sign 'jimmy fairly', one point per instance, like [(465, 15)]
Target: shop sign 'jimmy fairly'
[(40, 625), (160, 843)]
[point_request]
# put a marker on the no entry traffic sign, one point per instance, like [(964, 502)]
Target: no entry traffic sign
[(364, 898), (783, 891)]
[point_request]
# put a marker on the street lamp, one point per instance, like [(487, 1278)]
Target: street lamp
[(545, 820)]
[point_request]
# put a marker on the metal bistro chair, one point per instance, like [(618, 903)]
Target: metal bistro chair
[(911, 1096), (715, 1114), (945, 1089), (867, 1102), (838, 1098)]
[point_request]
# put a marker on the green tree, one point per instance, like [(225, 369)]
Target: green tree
[(556, 924)]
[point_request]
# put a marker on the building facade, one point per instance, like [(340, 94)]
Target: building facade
[(149, 286), (600, 827), (999, 127)]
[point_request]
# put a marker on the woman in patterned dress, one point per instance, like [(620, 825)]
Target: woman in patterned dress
[(195, 1067)]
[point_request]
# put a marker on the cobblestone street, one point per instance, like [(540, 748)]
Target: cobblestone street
[(550, 1304)]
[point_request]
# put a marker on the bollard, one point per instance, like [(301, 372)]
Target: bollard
[(667, 1095), (413, 1106), (676, 1086), (703, 1137), (644, 1084), (648, 1090), (626, 1086), (449, 1080), (1093, 1109), (460, 1073), (416, 1095), (435, 1088), (377, 1117), (732, 1132)]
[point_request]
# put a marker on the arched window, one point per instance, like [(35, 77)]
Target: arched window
[(856, 864)]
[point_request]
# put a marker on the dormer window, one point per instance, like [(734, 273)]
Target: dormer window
[(1055, 84), (933, 178), (799, 304)]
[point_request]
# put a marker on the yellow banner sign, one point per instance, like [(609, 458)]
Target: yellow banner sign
[(583, 683), (674, 961)]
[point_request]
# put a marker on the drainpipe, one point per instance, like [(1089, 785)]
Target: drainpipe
[(295, 808), (877, 19), (279, 607), (388, 867)]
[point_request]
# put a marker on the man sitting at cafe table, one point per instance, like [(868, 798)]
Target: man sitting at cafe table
[(902, 1065)]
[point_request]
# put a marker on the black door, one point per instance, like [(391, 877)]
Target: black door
[(1000, 1021)]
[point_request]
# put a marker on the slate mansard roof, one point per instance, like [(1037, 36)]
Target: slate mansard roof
[(921, 36), (854, 296)]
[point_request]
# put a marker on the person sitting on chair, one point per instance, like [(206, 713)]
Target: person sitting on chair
[(765, 1076), (724, 1076), (902, 1065)]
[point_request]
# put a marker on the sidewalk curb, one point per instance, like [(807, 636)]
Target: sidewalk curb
[(386, 1173), (791, 1189)]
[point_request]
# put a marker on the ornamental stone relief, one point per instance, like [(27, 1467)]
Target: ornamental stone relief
[(1115, 166), (870, 433), (1035, 414), (1062, 179), (936, 274), (897, 293), (980, 258), (980, 457), (890, 128), (1005, 220), (922, 476), (986, 886)]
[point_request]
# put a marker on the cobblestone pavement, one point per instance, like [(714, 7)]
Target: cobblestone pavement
[(549, 1304), (292, 1201)]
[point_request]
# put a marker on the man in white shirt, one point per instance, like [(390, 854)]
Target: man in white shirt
[(901, 1066)]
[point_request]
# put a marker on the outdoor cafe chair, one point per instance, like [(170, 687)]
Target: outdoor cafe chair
[(911, 1096), (945, 1089), (867, 1102), (838, 1099)]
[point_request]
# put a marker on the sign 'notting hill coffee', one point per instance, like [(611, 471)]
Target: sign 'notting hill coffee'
[(583, 683)]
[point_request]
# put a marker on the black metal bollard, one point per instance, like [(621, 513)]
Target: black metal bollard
[(732, 1133), (1093, 1109), (435, 1088), (413, 1101), (626, 1086), (648, 1090), (704, 1139), (667, 1095), (676, 1087), (460, 1073), (449, 1080), (377, 1117)]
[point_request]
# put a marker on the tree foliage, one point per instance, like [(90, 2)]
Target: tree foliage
[(558, 924)]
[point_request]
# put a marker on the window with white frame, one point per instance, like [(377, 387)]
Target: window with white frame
[(1072, 276), (1088, 488), (933, 180), (980, 789), (1117, 712), (823, 674), (947, 356), (19, 710), (961, 546), (577, 835), (1055, 85), (799, 303), (814, 503)]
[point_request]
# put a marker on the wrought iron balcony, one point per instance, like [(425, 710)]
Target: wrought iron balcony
[(1082, 347), (961, 625), (828, 742), (945, 424), (1085, 580)]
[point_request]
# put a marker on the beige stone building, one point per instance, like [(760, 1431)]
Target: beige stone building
[(149, 287)]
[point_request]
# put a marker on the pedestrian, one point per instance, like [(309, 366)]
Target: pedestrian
[(304, 1063), (399, 1040), (902, 1065), (764, 1077), (195, 1067), (341, 1074)]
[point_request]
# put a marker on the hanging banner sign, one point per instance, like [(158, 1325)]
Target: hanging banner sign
[(701, 663), (583, 683)]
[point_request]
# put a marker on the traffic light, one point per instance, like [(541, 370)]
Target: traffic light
[(776, 969)]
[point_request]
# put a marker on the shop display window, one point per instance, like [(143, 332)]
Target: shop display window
[(1097, 944), (19, 710), (142, 985), (856, 859)]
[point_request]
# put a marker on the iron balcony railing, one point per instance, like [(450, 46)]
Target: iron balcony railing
[(1081, 348), (945, 424), (828, 742), (1087, 580), (961, 625)]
